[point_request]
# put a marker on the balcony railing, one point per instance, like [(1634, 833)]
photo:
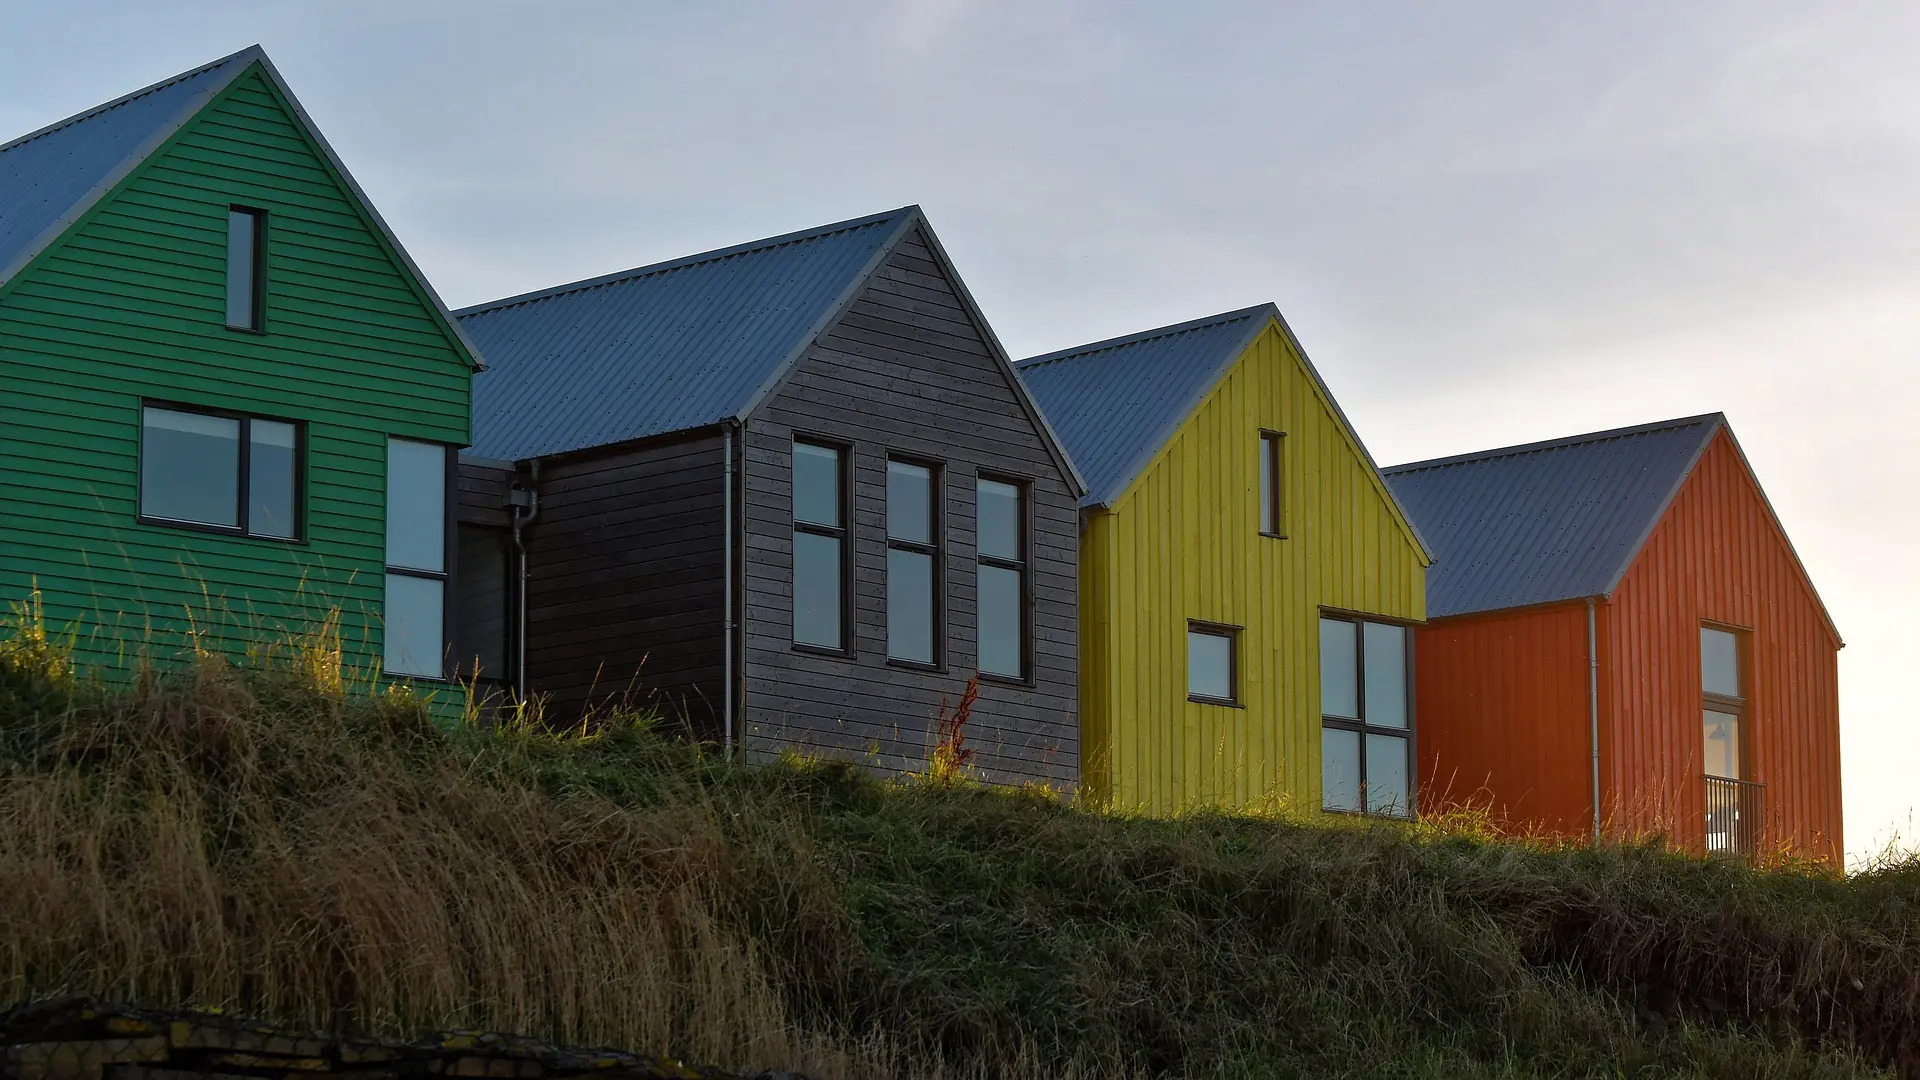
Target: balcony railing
[(1734, 809)]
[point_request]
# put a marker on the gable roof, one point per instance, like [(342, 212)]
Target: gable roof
[(1117, 403), (682, 344), (51, 178), (1547, 521)]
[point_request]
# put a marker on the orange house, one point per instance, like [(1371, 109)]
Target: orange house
[(1621, 640)]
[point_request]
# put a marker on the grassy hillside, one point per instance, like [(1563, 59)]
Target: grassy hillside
[(267, 840)]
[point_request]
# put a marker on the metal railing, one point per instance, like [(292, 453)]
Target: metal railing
[(1734, 809)]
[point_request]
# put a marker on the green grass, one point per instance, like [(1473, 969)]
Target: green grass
[(266, 839)]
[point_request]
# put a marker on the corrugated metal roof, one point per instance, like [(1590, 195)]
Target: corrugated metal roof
[(54, 173), (1547, 521), (1115, 403), (668, 347)]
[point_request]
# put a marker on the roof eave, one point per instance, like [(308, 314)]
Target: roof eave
[(134, 159)]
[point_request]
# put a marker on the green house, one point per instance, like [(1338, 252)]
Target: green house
[(229, 402)]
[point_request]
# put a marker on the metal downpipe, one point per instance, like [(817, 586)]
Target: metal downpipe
[(1593, 711)]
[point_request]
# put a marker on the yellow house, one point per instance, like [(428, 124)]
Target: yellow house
[(1246, 578)]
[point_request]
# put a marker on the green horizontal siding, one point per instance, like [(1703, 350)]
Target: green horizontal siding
[(130, 304)]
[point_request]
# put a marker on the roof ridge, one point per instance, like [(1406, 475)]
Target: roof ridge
[(1561, 443), (1143, 336), (818, 232), (126, 99)]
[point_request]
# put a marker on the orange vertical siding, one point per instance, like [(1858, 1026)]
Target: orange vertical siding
[(1503, 716), (1719, 555)]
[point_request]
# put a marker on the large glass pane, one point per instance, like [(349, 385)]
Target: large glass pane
[(1267, 523), (910, 606), (1386, 675), (816, 484), (416, 505), (1719, 662), (242, 280), (1339, 769), (1210, 665), (1722, 744), (1339, 669), (999, 520), (1001, 624), (909, 502), (271, 483), (816, 590), (415, 625), (190, 467), (1387, 789)]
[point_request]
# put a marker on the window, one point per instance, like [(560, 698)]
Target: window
[(913, 559), (1001, 519), (819, 546), (220, 471), (1724, 704), (416, 606), (1213, 663), (1272, 520), (246, 266), (1367, 734)]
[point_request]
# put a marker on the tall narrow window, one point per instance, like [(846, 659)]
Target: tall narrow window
[(819, 546), (913, 557), (1001, 510), (1724, 703), (1272, 517), (1213, 663), (220, 471), (246, 264), (415, 619), (1366, 736)]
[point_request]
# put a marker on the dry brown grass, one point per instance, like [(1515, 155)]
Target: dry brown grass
[(269, 839)]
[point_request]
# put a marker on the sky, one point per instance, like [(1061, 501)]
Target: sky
[(1488, 222)]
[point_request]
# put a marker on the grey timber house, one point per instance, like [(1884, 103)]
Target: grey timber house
[(792, 491)]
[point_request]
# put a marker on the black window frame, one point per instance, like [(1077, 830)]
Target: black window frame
[(257, 288), (934, 550), (243, 483), (1273, 456), (1023, 509), (1232, 633), (1409, 733), (1735, 705), (843, 534), (449, 556)]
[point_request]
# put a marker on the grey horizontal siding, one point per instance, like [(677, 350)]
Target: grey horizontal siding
[(906, 370)]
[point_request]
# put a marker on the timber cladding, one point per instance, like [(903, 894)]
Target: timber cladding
[(129, 305), (906, 371), (626, 581)]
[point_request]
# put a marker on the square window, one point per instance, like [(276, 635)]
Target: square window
[(219, 471), (1211, 664), (190, 467)]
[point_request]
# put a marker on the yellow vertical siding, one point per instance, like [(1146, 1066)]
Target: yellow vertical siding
[(1184, 543)]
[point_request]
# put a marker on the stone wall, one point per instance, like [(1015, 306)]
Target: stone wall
[(84, 1039)]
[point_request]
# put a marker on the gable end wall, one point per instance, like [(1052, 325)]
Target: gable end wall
[(1718, 555), (906, 370), (130, 304)]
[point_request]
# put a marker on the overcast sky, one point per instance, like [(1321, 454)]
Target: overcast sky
[(1488, 222)]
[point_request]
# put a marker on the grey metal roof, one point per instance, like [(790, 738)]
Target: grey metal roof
[(1548, 521), (51, 176), (1115, 403), (667, 347)]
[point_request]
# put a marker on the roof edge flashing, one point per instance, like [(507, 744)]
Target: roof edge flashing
[(684, 262)]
